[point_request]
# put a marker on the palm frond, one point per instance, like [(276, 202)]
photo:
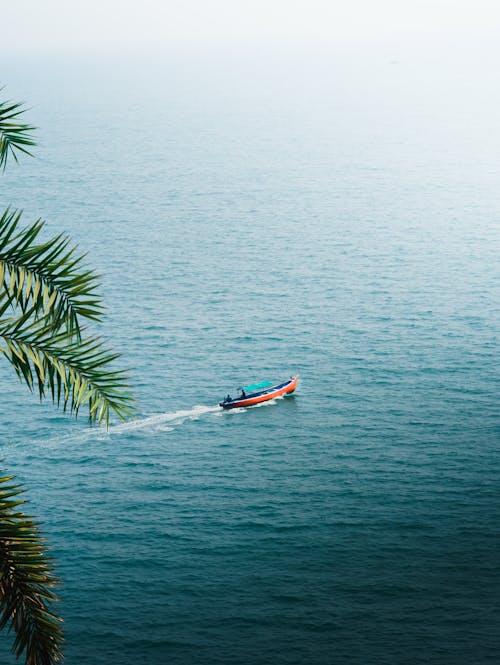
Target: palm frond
[(49, 276), (14, 135), (26, 582), (75, 373)]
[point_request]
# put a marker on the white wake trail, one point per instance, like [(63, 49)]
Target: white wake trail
[(158, 420)]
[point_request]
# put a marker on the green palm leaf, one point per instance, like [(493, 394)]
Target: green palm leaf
[(14, 136), (45, 294), (26, 582), (47, 275), (76, 372)]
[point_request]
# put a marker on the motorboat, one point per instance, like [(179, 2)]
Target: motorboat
[(257, 393)]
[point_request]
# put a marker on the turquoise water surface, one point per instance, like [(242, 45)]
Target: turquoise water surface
[(342, 226)]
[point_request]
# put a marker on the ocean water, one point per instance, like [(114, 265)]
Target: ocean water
[(336, 219)]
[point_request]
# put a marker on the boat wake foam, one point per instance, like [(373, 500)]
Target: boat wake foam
[(163, 421)]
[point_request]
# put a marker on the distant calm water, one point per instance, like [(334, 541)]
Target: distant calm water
[(342, 222)]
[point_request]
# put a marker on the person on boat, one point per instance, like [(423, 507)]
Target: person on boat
[(228, 398), (243, 394)]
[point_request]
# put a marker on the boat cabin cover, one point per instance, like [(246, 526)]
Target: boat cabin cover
[(254, 387)]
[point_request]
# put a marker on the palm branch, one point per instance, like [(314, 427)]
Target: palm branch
[(74, 373), (26, 581), (47, 275), (45, 293), (14, 136)]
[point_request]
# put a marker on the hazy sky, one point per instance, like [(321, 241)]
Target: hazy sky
[(95, 25)]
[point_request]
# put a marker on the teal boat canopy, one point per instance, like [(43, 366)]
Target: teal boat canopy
[(253, 387)]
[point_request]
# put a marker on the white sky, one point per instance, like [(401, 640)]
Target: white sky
[(153, 25)]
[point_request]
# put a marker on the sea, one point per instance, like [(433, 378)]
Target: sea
[(334, 216)]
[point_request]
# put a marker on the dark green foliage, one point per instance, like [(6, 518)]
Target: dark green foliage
[(75, 372), (26, 582), (46, 294), (14, 136), (49, 274)]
